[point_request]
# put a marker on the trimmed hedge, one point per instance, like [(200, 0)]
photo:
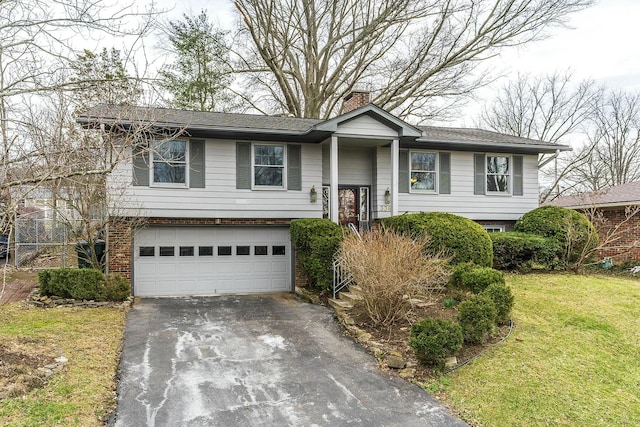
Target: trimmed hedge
[(433, 340), (521, 251), (83, 284), (316, 242), (456, 236), (502, 298), (470, 277), (571, 229), (477, 318)]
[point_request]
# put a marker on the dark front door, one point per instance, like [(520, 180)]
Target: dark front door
[(348, 206)]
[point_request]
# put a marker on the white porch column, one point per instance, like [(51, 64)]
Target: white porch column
[(333, 179), (395, 173)]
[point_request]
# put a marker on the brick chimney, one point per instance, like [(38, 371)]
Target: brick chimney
[(355, 99)]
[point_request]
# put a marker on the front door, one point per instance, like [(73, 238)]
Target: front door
[(348, 207)]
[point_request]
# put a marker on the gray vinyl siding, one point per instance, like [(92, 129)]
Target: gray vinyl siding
[(462, 200), (220, 198), (366, 126), (354, 165)]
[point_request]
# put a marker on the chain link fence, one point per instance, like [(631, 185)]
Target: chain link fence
[(45, 242)]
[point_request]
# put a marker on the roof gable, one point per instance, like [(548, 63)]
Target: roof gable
[(403, 128)]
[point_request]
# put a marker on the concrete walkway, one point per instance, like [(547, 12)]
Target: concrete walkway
[(256, 360)]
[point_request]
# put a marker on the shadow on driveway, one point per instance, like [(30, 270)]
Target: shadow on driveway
[(256, 360)]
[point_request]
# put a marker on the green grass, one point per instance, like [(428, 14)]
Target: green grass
[(83, 392), (573, 358)]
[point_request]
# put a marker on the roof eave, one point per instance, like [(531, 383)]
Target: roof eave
[(500, 146)]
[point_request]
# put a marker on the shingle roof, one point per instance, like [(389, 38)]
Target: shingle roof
[(620, 195), (447, 134), (219, 123), (198, 119)]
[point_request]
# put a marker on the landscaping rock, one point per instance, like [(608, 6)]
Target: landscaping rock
[(407, 373), (395, 361), (451, 362)]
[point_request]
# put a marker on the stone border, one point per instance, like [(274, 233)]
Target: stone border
[(53, 301)]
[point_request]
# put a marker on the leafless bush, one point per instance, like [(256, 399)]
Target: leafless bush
[(392, 270)]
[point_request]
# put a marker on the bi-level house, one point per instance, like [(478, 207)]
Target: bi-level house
[(217, 196)]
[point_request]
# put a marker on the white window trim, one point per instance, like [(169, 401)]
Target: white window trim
[(253, 168), (486, 174), (437, 172), (184, 184)]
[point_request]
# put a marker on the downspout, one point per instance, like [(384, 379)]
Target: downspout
[(545, 162)]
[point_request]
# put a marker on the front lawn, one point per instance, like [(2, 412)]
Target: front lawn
[(573, 358), (81, 390)]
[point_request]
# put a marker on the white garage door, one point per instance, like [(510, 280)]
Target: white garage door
[(211, 260)]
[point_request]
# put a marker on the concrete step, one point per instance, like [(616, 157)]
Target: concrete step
[(355, 289), (339, 304), (350, 297)]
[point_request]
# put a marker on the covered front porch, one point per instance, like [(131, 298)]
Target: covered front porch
[(360, 166)]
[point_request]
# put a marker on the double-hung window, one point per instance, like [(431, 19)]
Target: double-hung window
[(170, 163), (424, 171), (268, 165), (498, 174)]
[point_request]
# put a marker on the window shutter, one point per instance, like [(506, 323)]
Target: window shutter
[(243, 165), (403, 172), (445, 173), (140, 160), (479, 174), (196, 166), (518, 185), (294, 167)]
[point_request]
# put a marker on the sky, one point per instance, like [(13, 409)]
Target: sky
[(600, 43)]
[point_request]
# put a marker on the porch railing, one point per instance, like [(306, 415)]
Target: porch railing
[(342, 278)]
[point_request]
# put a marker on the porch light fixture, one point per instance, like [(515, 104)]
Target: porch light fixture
[(313, 194), (387, 196)]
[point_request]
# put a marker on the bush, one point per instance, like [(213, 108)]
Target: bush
[(502, 298), (573, 231), (83, 284), (468, 276), (115, 288), (71, 283), (316, 242), (458, 237), (523, 251), (433, 340), (477, 318), (391, 269)]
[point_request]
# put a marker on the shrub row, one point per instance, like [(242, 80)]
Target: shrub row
[(433, 340), (83, 284)]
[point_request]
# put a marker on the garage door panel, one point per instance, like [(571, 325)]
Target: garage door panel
[(203, 268)]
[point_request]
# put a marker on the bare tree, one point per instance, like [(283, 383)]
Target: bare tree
[(616, 137), (418, 55), (548, 108)]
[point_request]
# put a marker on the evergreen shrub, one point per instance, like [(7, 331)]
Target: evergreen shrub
[(477, 318), (316, 241), (433, 340), (457, 237)]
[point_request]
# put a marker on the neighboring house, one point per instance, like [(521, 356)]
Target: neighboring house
[(218, 197), (615, 210)]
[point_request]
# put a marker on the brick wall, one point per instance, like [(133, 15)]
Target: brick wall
[(355, 99), (627, 245)]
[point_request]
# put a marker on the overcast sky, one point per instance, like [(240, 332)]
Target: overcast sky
[(601, 43)]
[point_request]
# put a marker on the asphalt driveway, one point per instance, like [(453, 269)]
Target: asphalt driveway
[(256, 360)]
